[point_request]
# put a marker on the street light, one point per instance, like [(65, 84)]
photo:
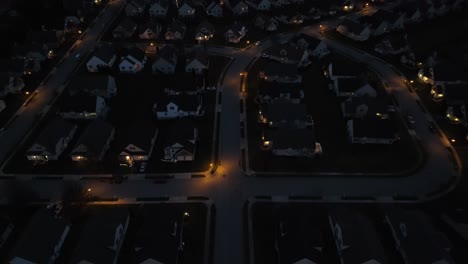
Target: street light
[(26, 93), (89, 189), (453, 140), (411, 81)]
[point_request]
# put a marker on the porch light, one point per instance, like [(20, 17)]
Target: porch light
[(453, 140), (127, 157), (248, 41), (79, 31), (411, 81), (266, 143), (186, 214)]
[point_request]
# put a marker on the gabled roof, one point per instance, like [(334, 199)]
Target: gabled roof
[(168, 53), (374, 127), (182, 131), (417, 236), (285, 114), (291, 52), (359, 238), (293, 138), (177, 26), (198, 54), (39, 238), (127, 24), (311, 41), (97, 236), (205, 26), (105, 53), (352, 26), (139, 133), (185, 102), (55, 130), (93, 139), (162, 3), (155, 27)]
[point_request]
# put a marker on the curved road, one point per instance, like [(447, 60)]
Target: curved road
[(229, 188)]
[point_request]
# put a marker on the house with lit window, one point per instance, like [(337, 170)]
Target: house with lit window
[(372, 130), (137, 142), (102, 236), (363, 106), (204, 31), (180, 143), (150, 30), (10, 84), (197, 61), (185, 83), (440, 73), (356, 237), (416, 237), (281, 73), (103, 58), (134, 61), (354, 30), (52, 141), (314, 46), (285, 114), (82, 106), (42, 239), (94, 142), (159, 8), (165, 61), (176, 106), (291, 142)]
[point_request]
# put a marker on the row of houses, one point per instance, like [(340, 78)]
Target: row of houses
[(384, 21), (134, 61), (368, 113)]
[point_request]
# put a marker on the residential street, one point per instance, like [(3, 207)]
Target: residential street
[(229, 188)]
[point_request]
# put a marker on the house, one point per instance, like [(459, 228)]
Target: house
[(125, 29), (102, 235), (197, 61), (356, 238), (291, 142), (271, 92), (238, 7), (301, 238), (137, 142), (315, 47), (175, 31), (348, 87), (279, 3), (285, 115), (181, 141), (10, 84), (52, 141), (42, 239), (102, 85), (135, 8), (72, 24), (176, 106), (31, 51), (150, 30), (411, 11), (377, 23), (393, 45), (134, 61), (361, 107), (103, 58), (342, 68), (159, 8), (260, 5), (93, 142), (289, 54), (457, 114), (82, 106), (235, 33), (214, 9), (372, 130), (16, 66), (186, 10), (50, 39), (354, 30), (282, 73), (266, 23), (394, 20), (185, 83), (416, 237), (204, 31), (166, 60)]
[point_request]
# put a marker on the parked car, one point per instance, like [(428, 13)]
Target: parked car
[(142, 167)]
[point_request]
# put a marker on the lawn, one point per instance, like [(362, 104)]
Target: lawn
[(134, 100), (338, 154)]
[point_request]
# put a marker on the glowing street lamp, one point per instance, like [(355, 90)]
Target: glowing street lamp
[(89, 189), (411, 81), (79, 31), (26, 93), (453, 140)]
